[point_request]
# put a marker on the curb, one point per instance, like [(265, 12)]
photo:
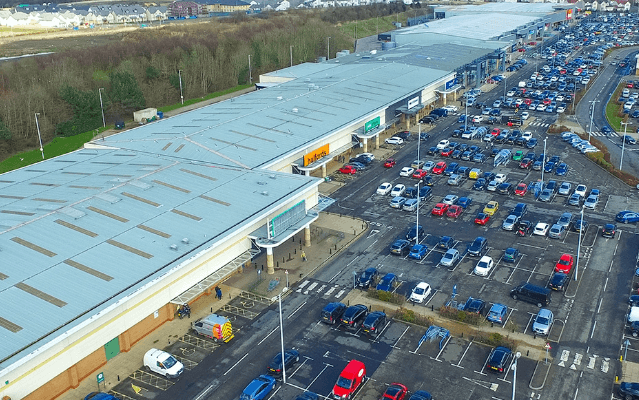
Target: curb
[(533, 376)]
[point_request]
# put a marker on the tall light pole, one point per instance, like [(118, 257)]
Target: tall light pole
[(514, 368), (623, 143), (291, 55), (543, 162), (181, 93), (102, 107), (581, 228), (592, 114), (328, 48), (466, 116), (250, 75), (39, 137), (279, 298)]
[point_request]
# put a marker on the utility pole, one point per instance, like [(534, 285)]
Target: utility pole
[(592, 114), (39, 137), (250, 76), (102, 107), (328, 48), (181, 93)]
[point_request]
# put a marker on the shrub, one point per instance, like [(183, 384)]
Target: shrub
[(460, 315), (410, 316), (388, 297), (495, 339)]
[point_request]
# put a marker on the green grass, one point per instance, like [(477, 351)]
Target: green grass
[(207, 97), (612, 109), (57, 147), (374, 26)]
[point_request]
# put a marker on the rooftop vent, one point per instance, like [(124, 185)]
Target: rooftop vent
[(174, 247), (295, 110), (280, 97), (185, 240), (272, 176), (265, 193), (261, 183)]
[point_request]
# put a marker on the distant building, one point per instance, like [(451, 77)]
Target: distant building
[(184, 9), (224, 6)]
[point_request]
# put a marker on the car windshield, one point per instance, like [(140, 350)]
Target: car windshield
[(483, 264), (344, 382), (448, 256), (563, 262), (169, 362), (542, 320), (418, 291)]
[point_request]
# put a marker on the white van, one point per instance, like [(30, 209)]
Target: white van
[(522, 84), (626, 92), (633, 315), (163, 363)]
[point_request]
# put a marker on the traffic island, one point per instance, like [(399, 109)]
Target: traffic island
[(540, 374)]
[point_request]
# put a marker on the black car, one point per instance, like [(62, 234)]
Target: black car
[(368, 278), (421, 395), (404, 135), (480, 184), (524, 228), (290, 358), (354, 316), (580, 225), (432, 151), (629, 390), (446, 242), (429, 180), (499, 359), (428, 119), (400, 247), (634, 330), (414, 232), (505, 188), (558, 281), (332, 313), (478, 246), (520, 210), (609, 230), (475, 305), (374, 323)]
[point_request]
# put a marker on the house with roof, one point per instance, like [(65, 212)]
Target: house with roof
[(224, 6), (156, 13), (187, 9), (50, 20)]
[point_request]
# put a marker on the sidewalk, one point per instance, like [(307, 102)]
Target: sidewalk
[(330, 234)]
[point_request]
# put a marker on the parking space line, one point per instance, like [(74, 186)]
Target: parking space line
[(400, 338), (300, 366), (234, 365), (442, 349), (381, 333), (529, 321), (507, 318), (318, 375), (463, 355), (483, 367), (266, 337), (296, 310), (273, 394)]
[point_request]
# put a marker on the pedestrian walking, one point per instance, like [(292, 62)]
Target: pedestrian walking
[(303, 256), (218, 293)]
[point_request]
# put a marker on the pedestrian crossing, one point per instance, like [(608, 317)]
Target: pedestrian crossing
[(311, 286), (577, 362), (539, 123), (611, 134)]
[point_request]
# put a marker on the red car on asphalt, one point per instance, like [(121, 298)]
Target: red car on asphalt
[(525, 163), (351, 378), (390, 163), (419, 173), (395, 391), (439, 168), (454, 211), (495, 131), (521, 189), (564, 264), (348, 169), (440, 209), (482, 218), (447, 152)]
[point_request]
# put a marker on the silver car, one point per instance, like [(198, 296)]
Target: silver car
[(543, 322), (591, 202), (565, 220), (450, 258), (546, 195), (565, 188), (510, 222), (557, 231), (454, 180), (575, 200)]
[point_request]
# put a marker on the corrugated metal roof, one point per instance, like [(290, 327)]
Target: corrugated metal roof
[(114, 218), (255, 129)]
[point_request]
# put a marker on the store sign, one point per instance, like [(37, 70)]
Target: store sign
[(413, 102), (569, 13), (372, 124), (450, 84), (315, 155)]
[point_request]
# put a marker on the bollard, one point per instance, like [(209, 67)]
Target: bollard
[(330, 251), (283, 260), (278, 264), (616, 378), (335, 247), (348, 303), (527, 353), (289, 256), (262, 267), (362, 226), (354, 232), (295, 250), (534, 336), (492, 325), (300, 276), (370, 308), (462, 335), (432, 308), (118, 378), (293, 238)]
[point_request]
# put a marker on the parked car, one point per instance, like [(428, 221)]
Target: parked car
[(384, 189), (609, 230), (484, 266), (478, 246), (450, 258), (446, 242), (353, 316), (349, 381), (291, 357), (510, 255), (395, 391), (420, 292), (259, 388), (482, 218), (474, 305), (368, 278), (499, 359), (386, 284), (163, 363), (497, 313), (627, 217), (394, 140), (541, 229), (557, 231), (400, 247), (543, 322), (332, 312), (558, 281), (374, 323), (418, 251)]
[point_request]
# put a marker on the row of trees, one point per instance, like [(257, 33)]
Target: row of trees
[(142, 71)]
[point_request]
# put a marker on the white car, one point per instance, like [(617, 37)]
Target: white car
[(519, 102), (398, 190), (368, 155), (477, 119), (394, 140), (420, 292), (443, 144), (581, 190), (428, 166), (527, 135), (385, 188), (450, 199), (492, 185), (510, 93), (500, 178), (407, 171), (541, 229), (541, 107), (450, 108), (484, 266), (525, 115), (163, 363), (561, 109), (591, 202)]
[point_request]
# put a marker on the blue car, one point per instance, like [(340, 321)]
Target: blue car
[(531, 143), (627, 217), (100, 396), (418, 251), (497, 313), (258, 388), (562, 169), (464, 202), (461, 119), (385, 284), (549, 167)]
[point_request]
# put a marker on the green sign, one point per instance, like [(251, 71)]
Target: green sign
[(372, 124), (100, 377)]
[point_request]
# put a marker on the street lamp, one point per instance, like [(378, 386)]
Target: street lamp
[(328, 48), (291, 55), (466, 116), (543, 162), (623, 142), (514, 368), (581, 228), (279, 298), (102, 107), (592, 114), (39, 137), (419, 139), (181, 94)]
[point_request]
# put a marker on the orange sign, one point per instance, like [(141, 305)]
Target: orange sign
[(569, 14), (315, 155)]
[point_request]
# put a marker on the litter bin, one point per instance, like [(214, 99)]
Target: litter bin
[(160, 114)]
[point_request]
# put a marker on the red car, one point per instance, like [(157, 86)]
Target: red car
[(351, 378), (629, 85), (395, 391), (525, 163), (439, 168), (482, 218), (495, 131), (440, 209), (390, 163), (447, 152), (547, 101), (521, 189), (348, 169), (454, 211), (564, 264), (420, 173)]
